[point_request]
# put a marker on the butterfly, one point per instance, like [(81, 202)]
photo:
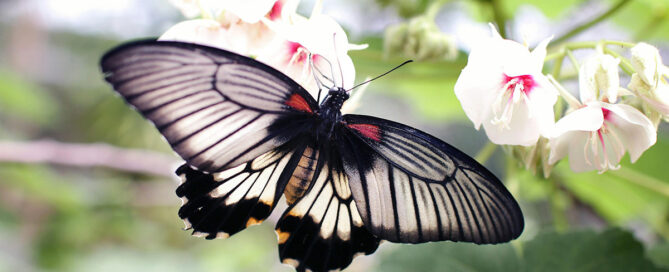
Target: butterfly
[(249, 135)]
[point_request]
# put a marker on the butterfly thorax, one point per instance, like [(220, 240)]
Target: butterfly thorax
[(330, 109)]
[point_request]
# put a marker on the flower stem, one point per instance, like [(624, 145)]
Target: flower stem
[(498, 16), (577, 30), (642, 180), (486, 152), (624, 63), (558, 208), (434, 8)]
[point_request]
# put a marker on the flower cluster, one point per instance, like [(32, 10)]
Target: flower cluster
[(271, 32), (504, 89)]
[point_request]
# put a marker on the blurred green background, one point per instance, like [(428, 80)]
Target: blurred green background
[(86, 183)]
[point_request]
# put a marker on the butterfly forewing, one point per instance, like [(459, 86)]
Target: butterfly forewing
[(217, 109), (411, 187)]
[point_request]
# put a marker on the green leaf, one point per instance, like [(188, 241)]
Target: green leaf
[(660, 255), (450, 256), (604, 192), (610, 250)]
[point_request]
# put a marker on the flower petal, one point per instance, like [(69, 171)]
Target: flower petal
[(206, 32), (635, 129), (524, 128), (588, 118)]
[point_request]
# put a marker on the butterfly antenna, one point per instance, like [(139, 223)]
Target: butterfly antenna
[(370, 80), (334, 44)]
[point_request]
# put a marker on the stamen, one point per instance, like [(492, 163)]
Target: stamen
[(515, 90)]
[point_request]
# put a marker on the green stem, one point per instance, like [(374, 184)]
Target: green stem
[(641, 179), (498, 16), (620, 43), (573, 60), (557, 208), (577, 30), (570, 46), (486, 152), (433, 9), (557, 66), (624, 63)]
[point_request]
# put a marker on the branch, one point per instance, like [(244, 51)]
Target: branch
[(591, 23), (89, 155)]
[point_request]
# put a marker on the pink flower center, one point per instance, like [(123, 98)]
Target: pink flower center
[(606, 113), (598, 153), (297, 52), (514, 90), (275, 13), (524, 83)]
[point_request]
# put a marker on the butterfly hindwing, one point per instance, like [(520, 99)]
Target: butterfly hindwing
[(221, 204), (411, 187), (217, 109), (323, 230)]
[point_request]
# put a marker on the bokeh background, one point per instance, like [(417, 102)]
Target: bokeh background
[(86, 183)]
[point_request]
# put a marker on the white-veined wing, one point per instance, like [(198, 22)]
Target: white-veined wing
[(221, 204), (411, 187), (322, 230), (216, 108)]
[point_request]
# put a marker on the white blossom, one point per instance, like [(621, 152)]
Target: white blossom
[(597, 135), (598, 78), (649, 81), (503, 88)]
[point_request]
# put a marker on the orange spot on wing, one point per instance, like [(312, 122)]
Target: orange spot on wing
[(298, 102), (283, 236), (252, 221), (367, 130)]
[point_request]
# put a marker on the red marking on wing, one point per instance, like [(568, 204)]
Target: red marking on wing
[(297, 102), (367, 130)]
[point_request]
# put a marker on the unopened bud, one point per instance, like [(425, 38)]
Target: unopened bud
[(419, 39)]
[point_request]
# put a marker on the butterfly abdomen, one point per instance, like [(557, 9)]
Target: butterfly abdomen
[(301, 178)]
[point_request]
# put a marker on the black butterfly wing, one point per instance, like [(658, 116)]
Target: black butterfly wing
[(322, 230), (216, 108), (411, 187), (221, 204)]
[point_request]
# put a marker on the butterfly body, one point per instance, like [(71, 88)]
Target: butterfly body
[(250, 136)]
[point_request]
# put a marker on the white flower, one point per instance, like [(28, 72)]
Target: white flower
[(206, 32), (597, 135), (650, 80), (250, 11), (319, 36), (503, 89), (598, 78), (189, 8), (647, 63), (237, 27)]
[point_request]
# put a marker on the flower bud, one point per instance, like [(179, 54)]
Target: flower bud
[(647, 63), (598, 78), (649, 82), (419, 39)]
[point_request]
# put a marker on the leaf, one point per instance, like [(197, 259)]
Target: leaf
[(450, 256), (610, 250), (660, 255)]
